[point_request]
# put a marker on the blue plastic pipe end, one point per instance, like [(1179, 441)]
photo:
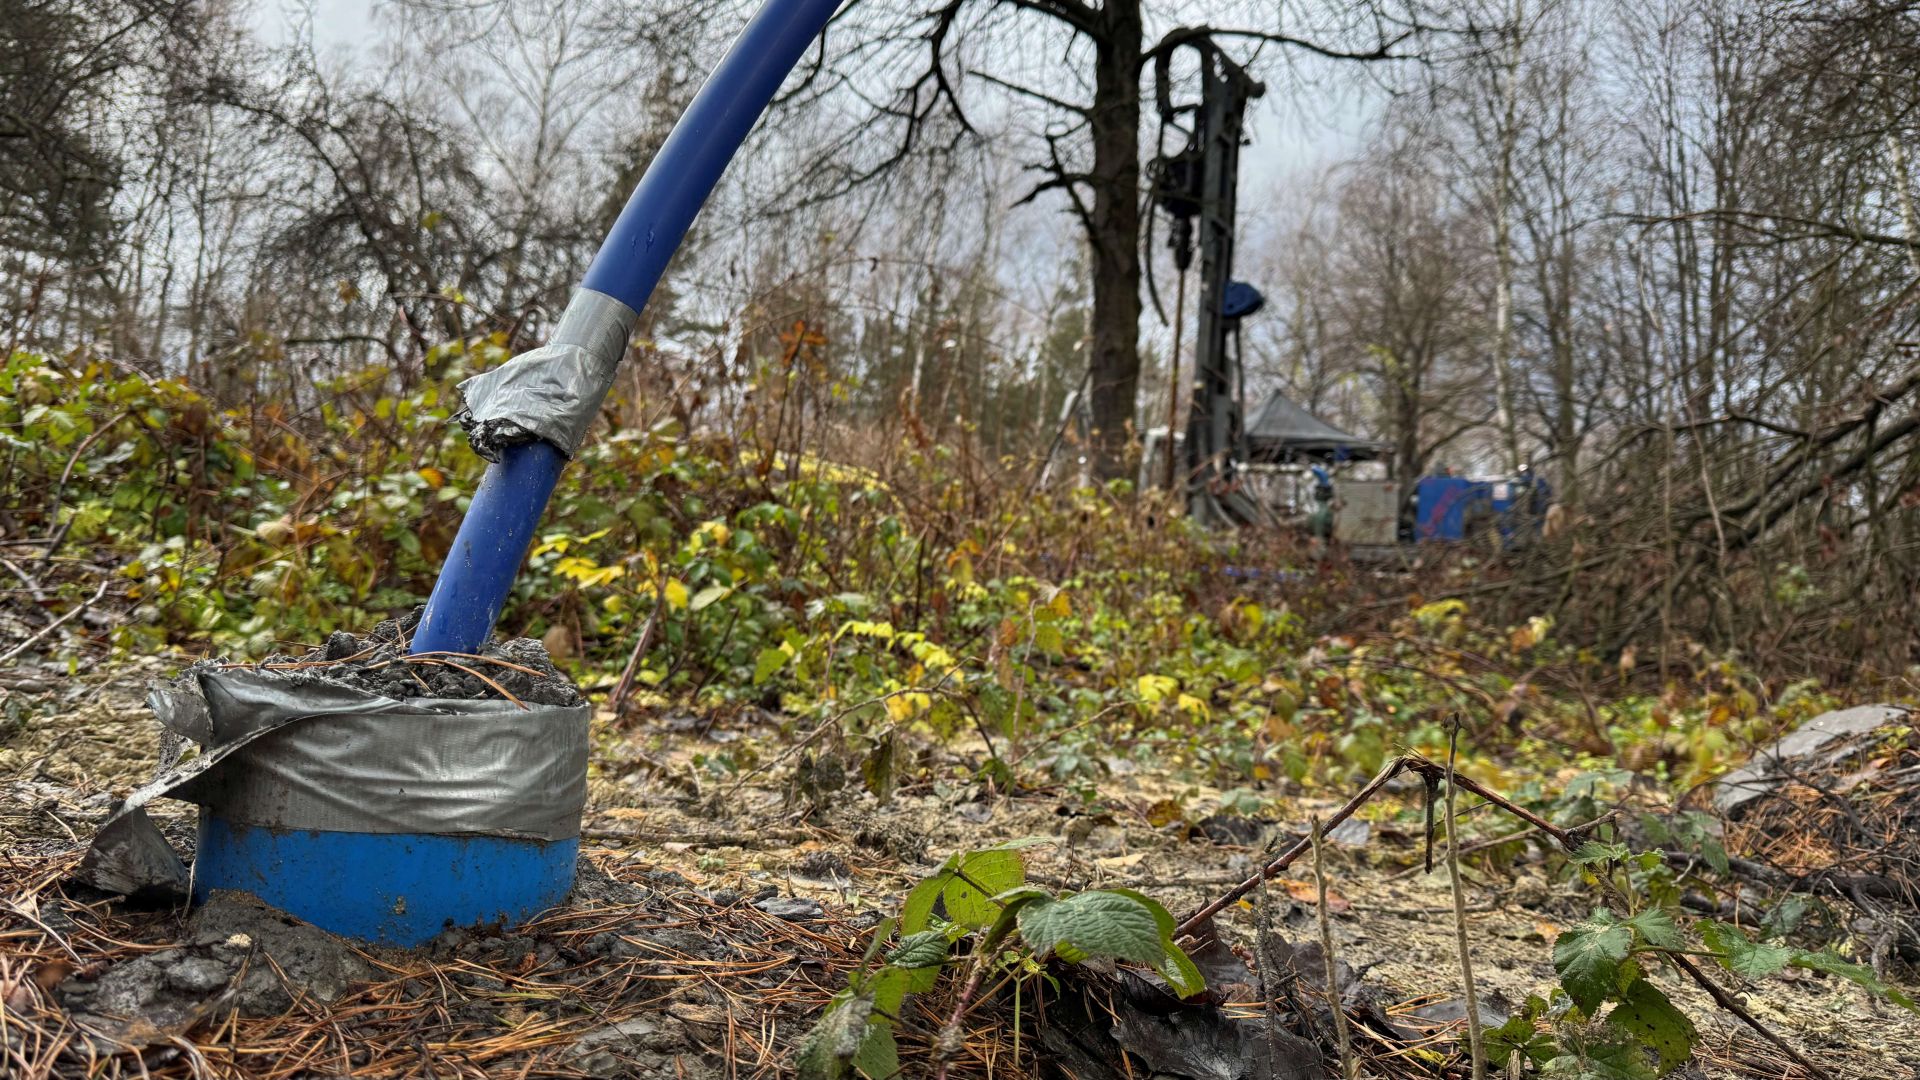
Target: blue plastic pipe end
[(392, 889), (487, 552), (486, 556)]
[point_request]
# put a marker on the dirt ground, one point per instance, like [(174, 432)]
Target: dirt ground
[(717, 914)]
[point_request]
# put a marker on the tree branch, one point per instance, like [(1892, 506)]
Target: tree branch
[(1081, 17), (1381, 51), (1058, 103)]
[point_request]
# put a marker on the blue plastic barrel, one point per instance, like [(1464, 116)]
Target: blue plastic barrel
[(393, 889)]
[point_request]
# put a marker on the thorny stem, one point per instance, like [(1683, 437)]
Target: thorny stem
[(949, 1041), (1475, 1048), (1349, 1068), (1568, 841), (1193, 922)]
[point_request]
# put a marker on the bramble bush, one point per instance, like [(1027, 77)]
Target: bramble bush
[(918, 594), (923, 591)]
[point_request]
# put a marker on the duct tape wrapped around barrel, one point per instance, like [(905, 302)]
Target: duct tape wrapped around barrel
[(553, 392), (367, 815)]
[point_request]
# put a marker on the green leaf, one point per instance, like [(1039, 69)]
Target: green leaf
[(928, 948), (1588, 958), (980, 875), (964, 887), (888, 988), (768, 664), (1656, 830), (1742, 955), (879, 1055), (709, 596), (917, 911), (1593, 851), (1586, 1060), (1519, 1036), (1010, 903), (921, 956), (829, 1049), (1175, 966), (1646, 1013), (1180, 971), (1097, 923), (1859, 974), (881, 932), (1785, 917), (1656, 928), (1716, 855)]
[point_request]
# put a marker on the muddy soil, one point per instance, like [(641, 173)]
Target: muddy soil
[(663, 824), (377, 662)]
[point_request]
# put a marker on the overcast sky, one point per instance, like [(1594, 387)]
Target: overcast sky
[(1293, 132)]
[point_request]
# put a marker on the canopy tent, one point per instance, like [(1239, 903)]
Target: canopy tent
[(1283, 430)]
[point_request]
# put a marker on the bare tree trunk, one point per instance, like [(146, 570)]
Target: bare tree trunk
[(1897, 164), (1115, 235), (1503, 244)]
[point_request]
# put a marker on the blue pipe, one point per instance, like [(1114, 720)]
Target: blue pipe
[(505, 511), (488, 551)]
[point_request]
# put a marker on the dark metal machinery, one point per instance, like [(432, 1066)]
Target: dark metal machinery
[(1196, 188)]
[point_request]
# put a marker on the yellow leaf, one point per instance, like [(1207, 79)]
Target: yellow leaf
[(1165, 812), (1154, 688), (434, 477), (676, 593), (1061, 605)]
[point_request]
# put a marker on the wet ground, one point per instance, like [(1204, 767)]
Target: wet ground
[(720, 910)]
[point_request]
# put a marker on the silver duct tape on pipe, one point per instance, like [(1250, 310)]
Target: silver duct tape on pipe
[(555, 391), (299, 751)]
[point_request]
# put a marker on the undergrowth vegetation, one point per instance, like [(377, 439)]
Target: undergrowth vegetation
[(933, 593), (922, 596)]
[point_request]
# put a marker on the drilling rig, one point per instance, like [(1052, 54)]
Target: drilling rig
[(1196, 188)]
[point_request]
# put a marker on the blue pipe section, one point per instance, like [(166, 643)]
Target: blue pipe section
[(487, 552), (500, 522), (709, 133)]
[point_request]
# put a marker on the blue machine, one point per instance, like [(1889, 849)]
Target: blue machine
[(1454, 508)]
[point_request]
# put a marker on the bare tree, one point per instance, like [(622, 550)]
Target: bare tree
[(1071, 71)]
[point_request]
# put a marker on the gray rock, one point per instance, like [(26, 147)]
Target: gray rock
[(622, 1049), (129, 989), (1816, 742), (791, 908)]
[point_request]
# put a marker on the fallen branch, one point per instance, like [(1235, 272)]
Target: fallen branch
[(57, 623), (1349, 1068), (1287, 858), (1569, 841)]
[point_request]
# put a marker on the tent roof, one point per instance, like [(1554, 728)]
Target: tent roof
[(1282, 428)]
